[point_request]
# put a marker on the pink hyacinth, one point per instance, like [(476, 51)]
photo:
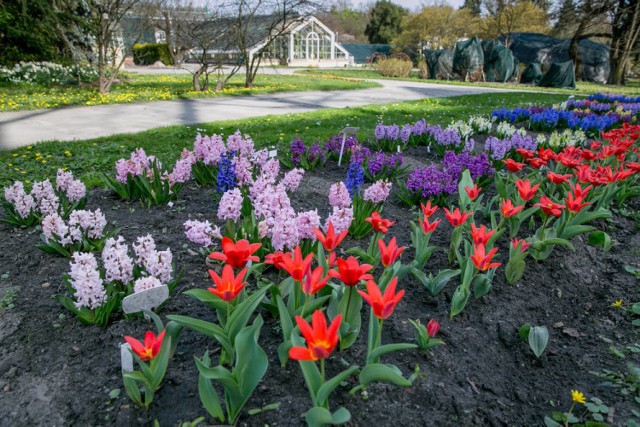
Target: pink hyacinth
[(181, 172), (159, 264), (46, 197), (126, 168), (118, 264), (285, 231), (85, 279), (201, 233), (230, 205), (22, 202), (259, 186), (341, 219), (270, 170), (243, 170), (144, 247), (339, 196), (54, 224), (260, 157), (306, 222), (292, 179), (242, 145), (209, 149), (89, 223), (63, 180), (378, 192), (144, 283), (76, 191)]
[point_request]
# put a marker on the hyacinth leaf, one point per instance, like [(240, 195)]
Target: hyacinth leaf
[(389, 348), (538, 339), (319, 416), (378, 372), (329, 386), (481, 285), (212, 300)]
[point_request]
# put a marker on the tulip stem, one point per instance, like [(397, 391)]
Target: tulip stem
[(322, 369), (304, 305)]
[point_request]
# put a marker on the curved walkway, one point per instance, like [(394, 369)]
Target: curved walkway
[(23, 128)]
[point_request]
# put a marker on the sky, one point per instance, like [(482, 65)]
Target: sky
[(412, 4)]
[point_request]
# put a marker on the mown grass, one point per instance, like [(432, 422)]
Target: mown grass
[(582, 88), (89, 158), (162, 87)]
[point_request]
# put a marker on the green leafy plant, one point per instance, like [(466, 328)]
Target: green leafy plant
[(536, 336)]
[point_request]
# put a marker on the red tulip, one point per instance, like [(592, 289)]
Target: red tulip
[(236, 254), (579, 191), (513, 166), (574, 203), (389, 254), (526, 190), (526, 154), (456, 218), (472, 192), (275, 259), (296, 266), (556, 178), (350, 272), (321, 341), (549, 207), (432, 328), (151, 347), (507, 208), (524, 244), (330, 241), (428, 227), (427, 210), (227, 286), (382, 305), (536, 162), (546, 154), (480, 235), (314, 281), (482, 260), (378, 223)]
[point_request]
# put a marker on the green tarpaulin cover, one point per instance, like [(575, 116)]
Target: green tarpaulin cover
[(561, 74), (498, 61), (468, 59), (531, 74), (440, 63)]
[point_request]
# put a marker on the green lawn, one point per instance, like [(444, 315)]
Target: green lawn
[(88, 158), (582, 88), (159, 87)]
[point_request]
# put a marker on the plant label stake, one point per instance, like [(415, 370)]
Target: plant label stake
[(145, 300), (273, 153), (126, 359), (345, 132)]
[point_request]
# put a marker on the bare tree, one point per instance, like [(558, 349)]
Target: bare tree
[(107, 18), (255, 24), (173, 18), (625, 33)]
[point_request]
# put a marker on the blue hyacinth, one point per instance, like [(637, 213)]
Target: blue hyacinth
[(355, 178), (226, 174)]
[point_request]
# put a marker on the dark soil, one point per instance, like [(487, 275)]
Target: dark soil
[(55, 371)]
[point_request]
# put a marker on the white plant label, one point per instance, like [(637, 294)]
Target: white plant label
[(126, 358), (145, 300), (273, 153)]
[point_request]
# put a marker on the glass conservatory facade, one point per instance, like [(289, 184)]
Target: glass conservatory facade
[(310, 44)]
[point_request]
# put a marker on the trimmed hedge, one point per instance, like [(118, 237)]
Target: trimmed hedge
[(150, 53)]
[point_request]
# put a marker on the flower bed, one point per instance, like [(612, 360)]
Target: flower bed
[(482, 374)]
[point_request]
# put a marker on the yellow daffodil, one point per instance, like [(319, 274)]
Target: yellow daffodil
[(578, 396)]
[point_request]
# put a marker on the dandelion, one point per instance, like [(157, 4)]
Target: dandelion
[(578, 397)]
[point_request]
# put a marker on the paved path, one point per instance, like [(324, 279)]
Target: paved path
[(67, 124)]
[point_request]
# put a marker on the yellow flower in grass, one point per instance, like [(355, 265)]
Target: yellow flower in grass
[(617, 304), (578, 396)]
